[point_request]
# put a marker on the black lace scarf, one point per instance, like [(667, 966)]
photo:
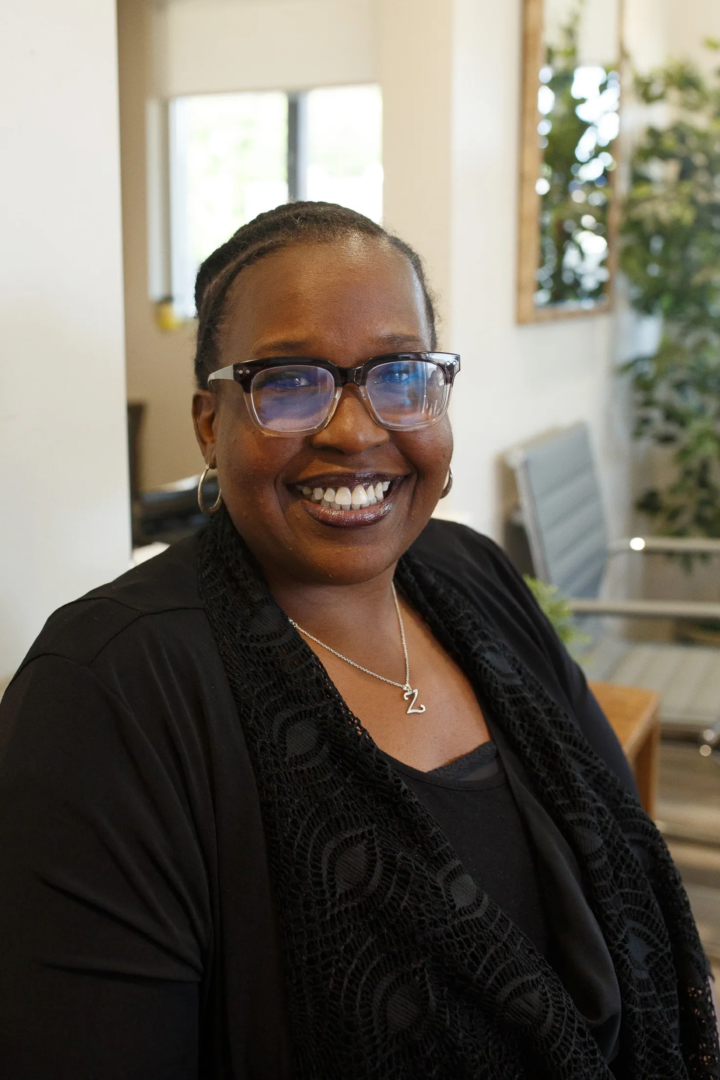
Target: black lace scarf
[(397, 964)]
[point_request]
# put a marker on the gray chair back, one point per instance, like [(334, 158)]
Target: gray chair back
[(563, 512)]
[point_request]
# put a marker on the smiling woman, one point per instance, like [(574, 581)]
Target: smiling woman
[(319, 793)]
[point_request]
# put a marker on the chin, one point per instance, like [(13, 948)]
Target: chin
[(331, 545), (353, 556)]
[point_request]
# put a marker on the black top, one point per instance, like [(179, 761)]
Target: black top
[(137, 931), (471, 800)]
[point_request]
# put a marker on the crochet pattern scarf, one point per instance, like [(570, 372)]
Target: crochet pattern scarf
[(398, 965)]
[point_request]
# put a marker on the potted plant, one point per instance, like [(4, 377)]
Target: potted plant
[(671, 256), (560, 615)]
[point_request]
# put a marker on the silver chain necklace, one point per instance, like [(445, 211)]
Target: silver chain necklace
[(407, 689)]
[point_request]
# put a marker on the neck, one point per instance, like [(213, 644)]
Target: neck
[(336, 613)]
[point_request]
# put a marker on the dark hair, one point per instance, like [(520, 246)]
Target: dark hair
[(291, 223)]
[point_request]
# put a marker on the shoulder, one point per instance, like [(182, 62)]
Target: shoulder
[(133, 660), (458, 549), (475, 564), (134, 602)]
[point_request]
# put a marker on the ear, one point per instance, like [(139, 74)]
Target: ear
[(204, 413)]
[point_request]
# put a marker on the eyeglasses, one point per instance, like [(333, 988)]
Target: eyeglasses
[(298, 395)]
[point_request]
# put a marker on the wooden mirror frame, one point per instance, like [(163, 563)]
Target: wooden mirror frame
[(533, 58)]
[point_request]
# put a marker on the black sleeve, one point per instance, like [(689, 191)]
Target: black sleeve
[(103, 896)]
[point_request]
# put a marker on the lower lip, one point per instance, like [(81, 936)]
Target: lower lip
[(350, 519)]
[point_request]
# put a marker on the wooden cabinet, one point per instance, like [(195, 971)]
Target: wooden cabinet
[(635, 717)]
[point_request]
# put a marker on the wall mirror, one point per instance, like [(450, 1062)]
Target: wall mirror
[(569, 133)]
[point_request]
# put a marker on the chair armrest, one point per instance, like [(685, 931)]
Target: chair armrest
[(646, 609), (666, 545)]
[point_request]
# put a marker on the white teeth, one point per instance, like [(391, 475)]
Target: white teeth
[(343, 499), (359, 497)]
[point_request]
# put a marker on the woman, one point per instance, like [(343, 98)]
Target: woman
[(319, 793)]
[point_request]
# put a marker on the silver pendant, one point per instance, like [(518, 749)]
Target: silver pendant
[(409, 692)]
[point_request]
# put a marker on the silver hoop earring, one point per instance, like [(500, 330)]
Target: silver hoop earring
[(208, 511), (448, 484)]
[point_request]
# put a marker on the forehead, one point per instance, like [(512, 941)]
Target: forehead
[(346, 296)]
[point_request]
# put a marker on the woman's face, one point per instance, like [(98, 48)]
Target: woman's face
[(344, 301)]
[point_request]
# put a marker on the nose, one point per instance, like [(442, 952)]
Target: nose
[(352, 429)]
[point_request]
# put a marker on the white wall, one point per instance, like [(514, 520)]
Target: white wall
[(63, 482), (220, 46), (687, 24), (415, 46)]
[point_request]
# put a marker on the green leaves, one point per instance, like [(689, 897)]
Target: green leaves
[(579, 110), (558, 612), (671, 256)]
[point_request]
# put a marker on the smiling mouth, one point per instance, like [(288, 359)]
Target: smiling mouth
[(350, 504), (358, 497)]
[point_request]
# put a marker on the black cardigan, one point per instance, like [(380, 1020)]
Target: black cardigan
[(135, 895)]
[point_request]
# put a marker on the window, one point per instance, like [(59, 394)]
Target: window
[(344, 148), (233, 156)]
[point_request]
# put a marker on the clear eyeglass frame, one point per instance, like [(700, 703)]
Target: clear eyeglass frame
[(244, 374)]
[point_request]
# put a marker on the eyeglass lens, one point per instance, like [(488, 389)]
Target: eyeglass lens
[(402, 393), (407, 393), (293, 399)]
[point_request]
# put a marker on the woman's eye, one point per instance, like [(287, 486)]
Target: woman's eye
[(394, 377), (287, 381)]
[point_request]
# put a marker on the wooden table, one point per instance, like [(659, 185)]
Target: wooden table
[(635, 717)]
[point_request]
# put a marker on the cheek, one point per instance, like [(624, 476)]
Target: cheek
[(249, 462), (429, 451)]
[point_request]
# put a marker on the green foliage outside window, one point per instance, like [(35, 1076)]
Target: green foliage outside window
[(579, 106), (671, 255)]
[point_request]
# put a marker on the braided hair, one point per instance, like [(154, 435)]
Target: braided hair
[(291, 223)]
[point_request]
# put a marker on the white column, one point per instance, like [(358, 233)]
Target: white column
[(415, 51), (63, 441)]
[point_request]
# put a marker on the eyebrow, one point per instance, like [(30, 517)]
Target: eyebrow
[(299, 346)]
